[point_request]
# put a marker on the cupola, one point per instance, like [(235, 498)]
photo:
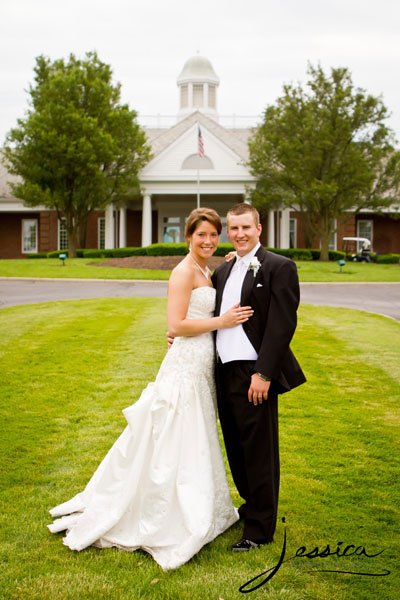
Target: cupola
[(198, 85)]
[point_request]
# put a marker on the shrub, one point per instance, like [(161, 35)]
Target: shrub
[(38, 255), (372, 255), (134, 251), (166, 250), (293, 253), (223, 249), (315, 254), (336, 255), (95, 253), (56, 253), (387, 259), (113, 252), (333, 254)]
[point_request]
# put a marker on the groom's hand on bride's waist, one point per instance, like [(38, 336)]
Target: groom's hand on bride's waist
[(258, 390)]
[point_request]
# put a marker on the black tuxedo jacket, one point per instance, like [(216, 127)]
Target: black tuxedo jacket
[(274, 296)]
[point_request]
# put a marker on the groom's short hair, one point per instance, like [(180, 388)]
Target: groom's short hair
[(243, 208)]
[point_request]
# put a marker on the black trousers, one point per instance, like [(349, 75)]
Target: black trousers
[(251, 441)]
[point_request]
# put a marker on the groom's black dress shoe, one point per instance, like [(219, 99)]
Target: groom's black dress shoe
[(244, 545)]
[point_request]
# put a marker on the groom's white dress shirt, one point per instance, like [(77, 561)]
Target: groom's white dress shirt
[(233, 343)]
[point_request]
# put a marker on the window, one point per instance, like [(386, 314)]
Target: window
[(365, 229), (198, 95), (29, 236), (193, 161), (62, 235), (172, 230), (223, 238), (211, 96), (292, 233), (184, 96), (101, 233)]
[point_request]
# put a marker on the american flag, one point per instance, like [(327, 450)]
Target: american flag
[(201, 144)]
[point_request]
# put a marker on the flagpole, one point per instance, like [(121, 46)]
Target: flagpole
[(200, 154), (198, 187)]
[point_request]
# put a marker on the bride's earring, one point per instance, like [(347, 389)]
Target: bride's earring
[(190, 246)]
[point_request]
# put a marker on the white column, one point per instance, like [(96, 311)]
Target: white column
[(146, 220), (271, 229), (109, 241), (122, 227), (285, 228), (205, 97)]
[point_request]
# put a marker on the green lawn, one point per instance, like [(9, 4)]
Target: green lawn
[(83, 268), (75, 268), (68, 368)]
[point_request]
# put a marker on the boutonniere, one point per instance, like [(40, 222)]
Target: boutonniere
[(254, 265)]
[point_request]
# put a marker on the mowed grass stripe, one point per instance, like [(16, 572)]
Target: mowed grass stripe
[(78, 366), (338, 442)]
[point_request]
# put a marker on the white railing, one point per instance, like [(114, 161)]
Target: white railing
[(227, 121)]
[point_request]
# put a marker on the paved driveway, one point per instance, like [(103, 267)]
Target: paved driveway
[(382, 298)]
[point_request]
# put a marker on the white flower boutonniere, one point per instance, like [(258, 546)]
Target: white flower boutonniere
[(254, 265)]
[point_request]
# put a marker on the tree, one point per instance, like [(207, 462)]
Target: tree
[(78, 149), (325, 152)]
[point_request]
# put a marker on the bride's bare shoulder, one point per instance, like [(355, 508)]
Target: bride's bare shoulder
[(184, 268), (182, 275)]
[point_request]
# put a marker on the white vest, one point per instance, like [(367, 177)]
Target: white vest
[(233, 343)]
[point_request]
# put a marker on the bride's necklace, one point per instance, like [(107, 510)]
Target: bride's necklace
[(205, 272)]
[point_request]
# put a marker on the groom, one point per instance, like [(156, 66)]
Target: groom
[(254, 365)]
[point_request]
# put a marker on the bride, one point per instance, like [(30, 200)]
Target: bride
[(162, 486)]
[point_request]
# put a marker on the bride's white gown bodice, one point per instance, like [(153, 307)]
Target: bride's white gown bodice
[(162, 486)]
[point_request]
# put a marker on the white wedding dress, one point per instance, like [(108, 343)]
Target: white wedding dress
[(162, 486)]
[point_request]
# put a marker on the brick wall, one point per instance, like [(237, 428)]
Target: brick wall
[(134, 227), (386, 233), (92, 239), (11, 233), (48, 231), (346, 229)]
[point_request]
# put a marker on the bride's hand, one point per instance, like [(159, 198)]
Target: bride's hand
[(230, 256), (236, 316)]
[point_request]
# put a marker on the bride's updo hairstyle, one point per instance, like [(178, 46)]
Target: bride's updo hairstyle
[(202, 214)]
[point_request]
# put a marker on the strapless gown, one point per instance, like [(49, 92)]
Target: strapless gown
[(162, 486)]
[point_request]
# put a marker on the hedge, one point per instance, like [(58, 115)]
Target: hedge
[(372, 255), (293, 253), (333, 254), (222, 250), (387, 259), (166, 250), (114, 252)]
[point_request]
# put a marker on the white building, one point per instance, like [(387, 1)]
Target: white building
[(177, 177)]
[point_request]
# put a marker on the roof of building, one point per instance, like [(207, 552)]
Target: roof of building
[(198, 68), (5, 178), (236, 140)]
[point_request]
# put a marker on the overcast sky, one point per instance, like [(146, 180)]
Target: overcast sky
[(255, 47)]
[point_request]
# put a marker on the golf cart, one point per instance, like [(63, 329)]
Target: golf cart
[(350, 245)]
